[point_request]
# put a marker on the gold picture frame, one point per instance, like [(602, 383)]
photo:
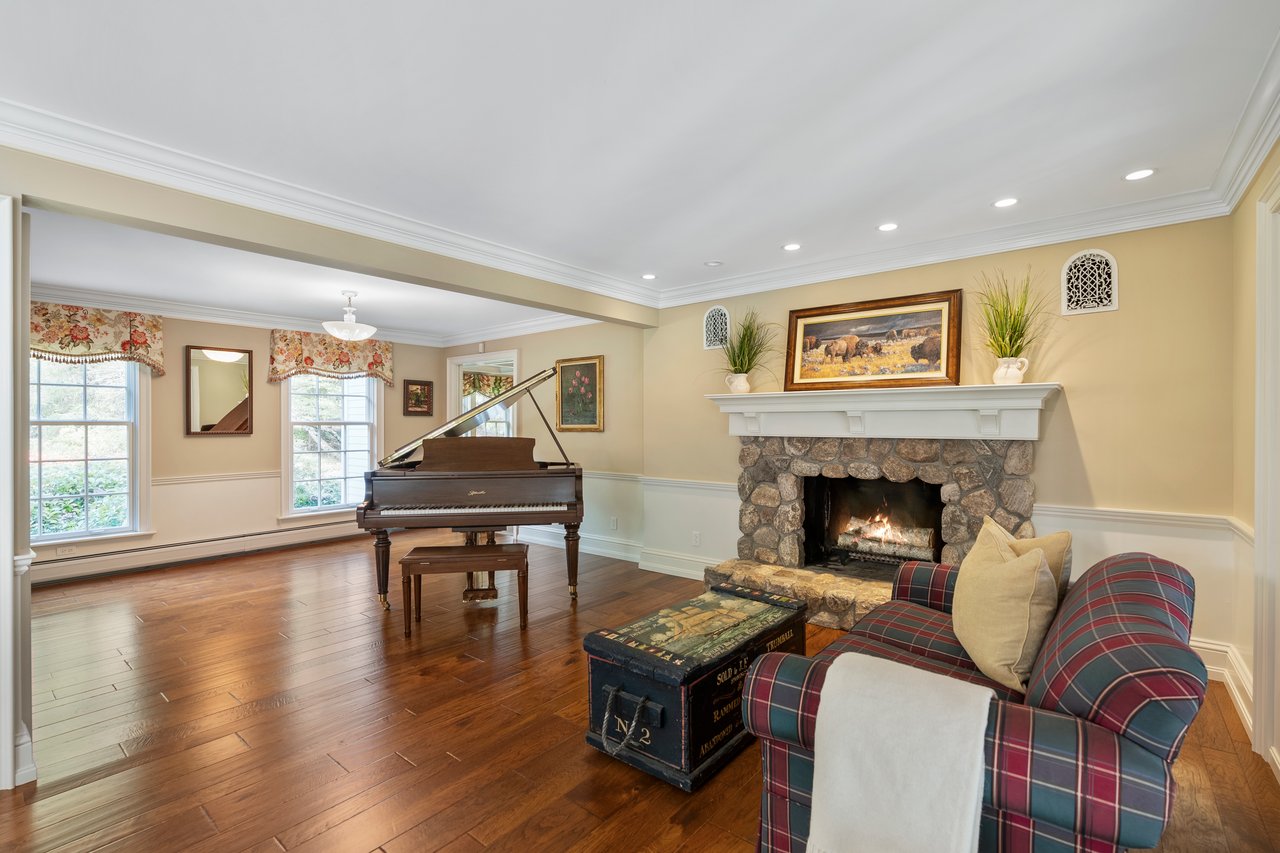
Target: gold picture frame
[(899, 342), (580, 394)]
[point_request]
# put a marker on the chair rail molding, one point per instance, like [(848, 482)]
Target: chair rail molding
[(1009, 412)]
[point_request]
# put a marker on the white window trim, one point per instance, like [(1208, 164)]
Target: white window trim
[(287, 511), (140, 490), (453, 372)]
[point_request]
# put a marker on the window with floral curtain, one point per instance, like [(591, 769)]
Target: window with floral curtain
[(72, 334), (295, 353), (87, 424), (478, 387)]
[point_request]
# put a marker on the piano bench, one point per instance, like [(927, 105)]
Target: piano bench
[(446, 559)]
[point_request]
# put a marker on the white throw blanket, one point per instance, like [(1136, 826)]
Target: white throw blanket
[(898, 760)]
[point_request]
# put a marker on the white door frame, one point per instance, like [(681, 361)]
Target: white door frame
[(453, 372), (1266, 506), (17, 763)]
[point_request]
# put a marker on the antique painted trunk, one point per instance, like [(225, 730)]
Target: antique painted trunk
[(666, 690)]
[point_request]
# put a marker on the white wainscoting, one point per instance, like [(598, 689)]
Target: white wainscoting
[(657, 521), (196, 518)]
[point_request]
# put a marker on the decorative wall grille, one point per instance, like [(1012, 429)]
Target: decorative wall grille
[(1089, 283), (715, 327)]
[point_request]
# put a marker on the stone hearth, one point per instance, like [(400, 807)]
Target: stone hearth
[(836, 599), (979, 477)]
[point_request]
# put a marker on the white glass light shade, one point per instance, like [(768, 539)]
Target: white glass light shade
[(222, 355), (347, 329)]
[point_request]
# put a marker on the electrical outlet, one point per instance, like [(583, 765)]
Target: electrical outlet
[(697, 537), (66, 551), (613, 522)]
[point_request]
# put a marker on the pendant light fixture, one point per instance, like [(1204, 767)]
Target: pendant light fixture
[(347, 328)]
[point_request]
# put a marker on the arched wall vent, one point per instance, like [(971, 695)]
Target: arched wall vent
[(1090, 283), (715, 327)]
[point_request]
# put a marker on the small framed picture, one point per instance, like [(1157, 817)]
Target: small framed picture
[(419, 397), (580, 394), (881, 343)]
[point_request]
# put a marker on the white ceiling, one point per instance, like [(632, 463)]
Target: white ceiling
[(79, 260), (588, 143)]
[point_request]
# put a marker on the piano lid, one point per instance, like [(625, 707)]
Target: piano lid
[(470, 419)]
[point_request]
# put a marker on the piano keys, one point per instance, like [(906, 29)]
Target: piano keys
[(472, 483)]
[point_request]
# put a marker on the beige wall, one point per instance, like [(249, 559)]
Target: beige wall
[(620, 448), (1139, 425), (175, 454)]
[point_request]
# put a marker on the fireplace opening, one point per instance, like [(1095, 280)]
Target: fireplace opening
[(852, 523)]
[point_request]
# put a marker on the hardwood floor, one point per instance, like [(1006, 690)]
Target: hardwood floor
[(265, 702)]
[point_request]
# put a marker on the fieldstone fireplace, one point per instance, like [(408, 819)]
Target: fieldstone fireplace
[(828, 518), (975, 477)]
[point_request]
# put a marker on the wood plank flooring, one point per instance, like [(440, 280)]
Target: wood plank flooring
[(266, 703)]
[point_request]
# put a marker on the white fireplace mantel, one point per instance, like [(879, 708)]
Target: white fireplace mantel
[(942, 411)]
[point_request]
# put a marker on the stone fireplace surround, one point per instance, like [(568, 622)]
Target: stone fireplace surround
[(979, 477), (975, 441)]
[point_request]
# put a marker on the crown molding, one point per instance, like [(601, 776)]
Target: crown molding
[(1255, 134), (517, 329), (257, 320), (1202, 204), (48, 134), (44, 133)]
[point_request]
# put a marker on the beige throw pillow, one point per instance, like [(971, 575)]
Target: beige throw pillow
[(1002, 608), (1056, 547)]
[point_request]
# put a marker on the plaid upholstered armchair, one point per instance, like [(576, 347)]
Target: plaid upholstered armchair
[(1081, 763)]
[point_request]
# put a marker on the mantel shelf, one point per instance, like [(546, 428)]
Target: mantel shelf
[(941, 411)]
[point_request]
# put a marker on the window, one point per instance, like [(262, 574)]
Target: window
[(332, 430), (84, 448), (499, 422)]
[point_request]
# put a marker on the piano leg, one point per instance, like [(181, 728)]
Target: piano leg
[(382, 563), (571, 556)]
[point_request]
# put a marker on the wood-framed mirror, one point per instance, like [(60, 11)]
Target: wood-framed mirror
[(219, 391)]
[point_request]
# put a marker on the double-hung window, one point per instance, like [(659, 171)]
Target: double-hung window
[(331, 439), (85, 443)]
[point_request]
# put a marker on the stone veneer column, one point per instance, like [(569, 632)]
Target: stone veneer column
[(978, 478)]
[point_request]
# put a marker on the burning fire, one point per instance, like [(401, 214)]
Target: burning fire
[(878, 528)]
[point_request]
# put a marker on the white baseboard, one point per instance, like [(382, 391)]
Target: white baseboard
[(672, 563), (159, 555), (589, 543), (1224, 663), (24, 758)]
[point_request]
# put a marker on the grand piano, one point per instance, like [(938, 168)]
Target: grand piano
[(473, 485)]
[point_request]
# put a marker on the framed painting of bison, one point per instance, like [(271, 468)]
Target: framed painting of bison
[(881, 343)]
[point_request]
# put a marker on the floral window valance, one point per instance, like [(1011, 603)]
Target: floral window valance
[(324, 355), (71, 333), (487, 384)]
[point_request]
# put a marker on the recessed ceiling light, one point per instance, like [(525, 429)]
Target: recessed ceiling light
[(712, 263), (1005, 202), (1139, 175), (889, 226), (791, 247), (648, 276)]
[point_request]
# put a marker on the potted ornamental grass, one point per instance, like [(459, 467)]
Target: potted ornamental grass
[(747, 346), (1013, 317)]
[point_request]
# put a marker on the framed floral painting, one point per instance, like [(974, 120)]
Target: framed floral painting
[(580, 394)]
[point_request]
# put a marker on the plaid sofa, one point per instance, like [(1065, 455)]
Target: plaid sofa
[(1081, 763)]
